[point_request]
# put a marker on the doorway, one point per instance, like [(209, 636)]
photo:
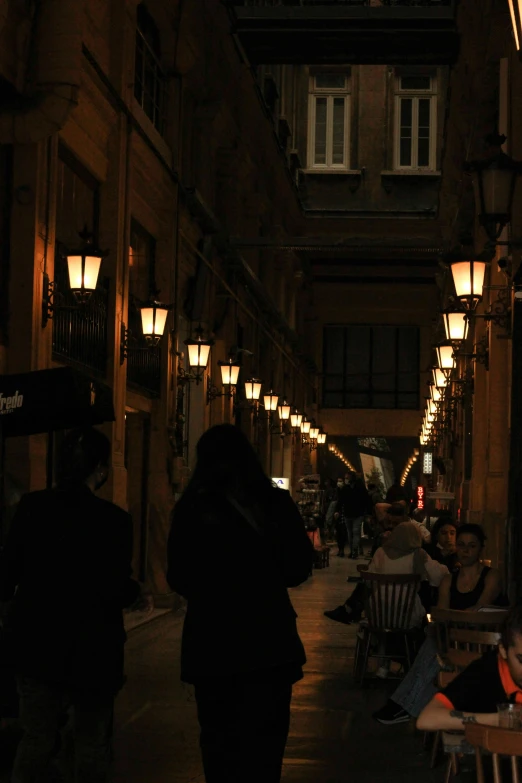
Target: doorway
[(137, 458)]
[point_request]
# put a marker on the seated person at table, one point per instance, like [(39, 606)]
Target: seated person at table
[(479, 586), (473, 696), (400, 553), (443, 545)]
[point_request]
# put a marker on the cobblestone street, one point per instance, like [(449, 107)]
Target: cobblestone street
[(332, 736)]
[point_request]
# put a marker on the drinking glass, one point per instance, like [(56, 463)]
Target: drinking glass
[(510, 716)]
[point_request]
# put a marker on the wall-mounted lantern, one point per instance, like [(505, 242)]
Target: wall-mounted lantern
[(198, 354), (229, 378), (468, 277), (83, 266), (295, 420), (495, 179), (445, 358), (456, 325), (270, 402)]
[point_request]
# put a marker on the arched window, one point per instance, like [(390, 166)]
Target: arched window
[(149, 78)]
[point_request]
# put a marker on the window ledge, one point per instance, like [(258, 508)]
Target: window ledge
[(337, 172), (410, 173)]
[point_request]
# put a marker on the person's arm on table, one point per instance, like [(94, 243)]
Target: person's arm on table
[(440, 715)]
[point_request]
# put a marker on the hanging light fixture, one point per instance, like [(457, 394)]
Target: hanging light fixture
[(305, 426), (253, 389), (314, 432), (198, 353), (445, 358), (270, 400), (321, 438), (456, 325), (331, 447)]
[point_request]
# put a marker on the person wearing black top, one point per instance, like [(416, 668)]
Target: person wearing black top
[(66, 567), (474, 695), (236, 544)]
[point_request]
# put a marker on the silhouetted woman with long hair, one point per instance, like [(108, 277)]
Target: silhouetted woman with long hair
[(236, 544)]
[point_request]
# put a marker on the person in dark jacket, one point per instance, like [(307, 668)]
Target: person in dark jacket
[(66, 568), (355, 503), (236, 544)]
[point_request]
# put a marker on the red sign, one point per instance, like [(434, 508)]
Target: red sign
[(420, 497)]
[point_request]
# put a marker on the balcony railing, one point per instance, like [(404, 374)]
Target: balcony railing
[(143, 362), (79, 331)]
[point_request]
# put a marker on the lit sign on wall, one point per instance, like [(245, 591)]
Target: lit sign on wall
[(282, 483), (427, 462), (420, 497)]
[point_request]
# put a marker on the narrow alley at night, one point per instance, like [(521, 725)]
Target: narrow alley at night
[(260, 383)]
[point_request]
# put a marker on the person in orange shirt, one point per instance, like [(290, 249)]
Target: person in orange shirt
[(474, 695)]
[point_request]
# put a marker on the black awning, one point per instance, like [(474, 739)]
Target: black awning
[(57, 399)]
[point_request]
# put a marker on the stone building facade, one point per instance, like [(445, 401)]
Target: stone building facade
[(276, 205)]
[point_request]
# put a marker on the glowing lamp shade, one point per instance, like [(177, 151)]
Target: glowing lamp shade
[(432, 407), (321, 438), (296, 419), (83, 273), (198, 352), (468, 277), (456, 324), (229, 372), (445, 358), (270, 401), (314, 432), (284, 411), (305, 427), (252, 389), (331, 447), (436, 394), (439, 379), (153, 320)]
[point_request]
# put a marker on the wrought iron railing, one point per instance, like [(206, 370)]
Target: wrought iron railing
[(79, 331), (149, 83), (143, 361)]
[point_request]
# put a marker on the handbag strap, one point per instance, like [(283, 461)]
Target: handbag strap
[(246, 514)]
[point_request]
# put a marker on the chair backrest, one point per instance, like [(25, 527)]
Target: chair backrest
[(498, 742), (390, 599), (475, 632)]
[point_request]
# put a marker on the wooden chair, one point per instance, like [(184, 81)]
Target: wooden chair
[(469, 631), (389, 603), (462, 637), (498, 742)]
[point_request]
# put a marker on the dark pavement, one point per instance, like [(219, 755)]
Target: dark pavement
[(332, 736), (332, 739)]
